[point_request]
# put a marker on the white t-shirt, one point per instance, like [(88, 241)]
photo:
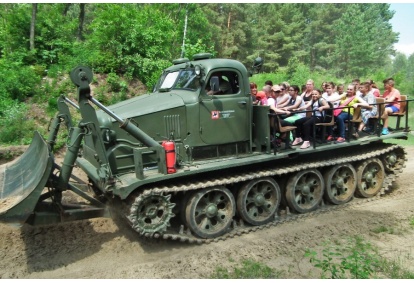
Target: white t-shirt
[(271, 101), (331, 97)]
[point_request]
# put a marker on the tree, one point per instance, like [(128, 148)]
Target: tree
[(363, 41), (81, 21), (32, 26)]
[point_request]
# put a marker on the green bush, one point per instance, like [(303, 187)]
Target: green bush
[(114, 82), (18, 82), (357, 259), (15, 128)]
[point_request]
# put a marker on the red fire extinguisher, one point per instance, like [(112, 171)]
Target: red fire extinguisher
[(169, 147)]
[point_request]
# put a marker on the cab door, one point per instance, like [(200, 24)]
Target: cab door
[(224, 118)]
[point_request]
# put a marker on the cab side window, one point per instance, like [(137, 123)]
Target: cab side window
[(228, 82)]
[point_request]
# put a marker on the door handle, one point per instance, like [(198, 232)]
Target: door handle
[(242, 102)]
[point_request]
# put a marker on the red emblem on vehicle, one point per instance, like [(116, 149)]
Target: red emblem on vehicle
[(215, 115)]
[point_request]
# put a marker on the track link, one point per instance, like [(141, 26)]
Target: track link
[(238, 228)]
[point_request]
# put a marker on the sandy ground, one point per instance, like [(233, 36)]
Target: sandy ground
[(99, 248)]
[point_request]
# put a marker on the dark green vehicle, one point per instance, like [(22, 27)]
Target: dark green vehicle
[(192, 161)]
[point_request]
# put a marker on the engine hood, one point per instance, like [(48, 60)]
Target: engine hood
[(146, 104)]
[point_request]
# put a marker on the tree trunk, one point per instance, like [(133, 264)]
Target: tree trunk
[(65, 11), (32, 26), (185, 32), (81, 20)]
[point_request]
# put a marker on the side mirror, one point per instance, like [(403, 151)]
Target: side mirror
[(258, 63), (214, 84)]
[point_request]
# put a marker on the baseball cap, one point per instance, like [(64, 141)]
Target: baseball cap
[(276, 88)]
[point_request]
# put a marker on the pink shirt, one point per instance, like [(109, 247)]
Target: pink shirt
[(397, 97)]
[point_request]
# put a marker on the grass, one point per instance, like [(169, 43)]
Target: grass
[(412, 222), (249, 269), (393, 269), (383, 229), (354, 259), (357, 259)]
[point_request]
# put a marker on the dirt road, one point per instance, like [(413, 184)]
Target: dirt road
[(100, 249)]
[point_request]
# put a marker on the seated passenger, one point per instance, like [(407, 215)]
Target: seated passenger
[(253, 93), (347, 113), (373, 88), (368, 107), (295, 101), (304, 125), (261, 98), (340, 89), (271, 101), (392, 96), (281, 99), (332, 96)]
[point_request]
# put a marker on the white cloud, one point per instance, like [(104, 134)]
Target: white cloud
[(407, 49)]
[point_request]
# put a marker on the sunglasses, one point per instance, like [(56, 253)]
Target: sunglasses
[(277, 91), (282, 89)]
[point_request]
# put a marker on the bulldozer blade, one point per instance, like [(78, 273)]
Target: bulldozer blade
[(23, 180)]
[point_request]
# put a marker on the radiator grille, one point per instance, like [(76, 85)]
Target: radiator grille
[(172, 126)]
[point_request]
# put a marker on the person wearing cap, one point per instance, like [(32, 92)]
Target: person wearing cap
[(280, 99), (261, 98)]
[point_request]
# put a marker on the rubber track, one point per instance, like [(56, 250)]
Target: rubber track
[(237, 229)]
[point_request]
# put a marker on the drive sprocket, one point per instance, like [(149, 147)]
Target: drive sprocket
[(150, 213)]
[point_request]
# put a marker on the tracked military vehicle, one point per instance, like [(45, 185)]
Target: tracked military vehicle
[(191, 161)]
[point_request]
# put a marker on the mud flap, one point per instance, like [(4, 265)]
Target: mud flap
[(23, 180)]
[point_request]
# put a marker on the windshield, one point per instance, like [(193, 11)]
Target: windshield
[(182, 79)]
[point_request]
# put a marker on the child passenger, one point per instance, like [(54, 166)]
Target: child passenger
[(368, 107), (392, 97)]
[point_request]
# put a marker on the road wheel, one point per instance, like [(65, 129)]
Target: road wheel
[(304, 190), (341, 181), (258, 201), (209, 212), (371, 176)]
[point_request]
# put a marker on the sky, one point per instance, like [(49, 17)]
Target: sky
[(403, 22)]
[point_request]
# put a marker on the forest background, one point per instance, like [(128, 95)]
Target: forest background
[(128, 45)]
